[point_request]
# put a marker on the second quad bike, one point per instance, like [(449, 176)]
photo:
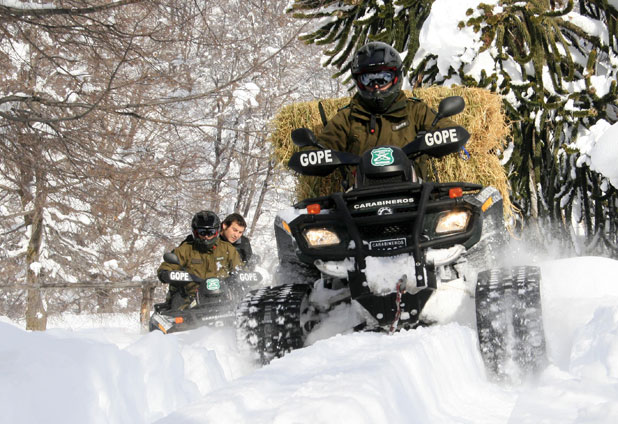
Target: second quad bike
[(386, 245), (214, 305)]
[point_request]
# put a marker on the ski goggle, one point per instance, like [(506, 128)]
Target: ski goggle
[(207, 232), (379, 78)]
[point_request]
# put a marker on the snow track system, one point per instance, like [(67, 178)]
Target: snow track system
[(509, 322), (271, 321)]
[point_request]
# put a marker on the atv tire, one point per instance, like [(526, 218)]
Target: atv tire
[(271, 322), (509, 322)]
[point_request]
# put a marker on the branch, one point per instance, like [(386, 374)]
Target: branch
[(18, 12)]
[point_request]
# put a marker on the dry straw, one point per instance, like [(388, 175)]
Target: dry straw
[(483, 117)]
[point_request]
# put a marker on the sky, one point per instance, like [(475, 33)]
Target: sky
[(103, 369)]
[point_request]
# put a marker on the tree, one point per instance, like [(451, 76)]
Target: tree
[(348, 25), (118, 120), (556, 76)]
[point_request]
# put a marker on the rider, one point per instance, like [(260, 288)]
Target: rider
[(379, 113), (203, 255)]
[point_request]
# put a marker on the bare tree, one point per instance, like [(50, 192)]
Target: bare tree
[(119, 119)]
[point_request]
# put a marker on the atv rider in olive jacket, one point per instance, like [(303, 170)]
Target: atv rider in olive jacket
[(203, 255), (379, 113)]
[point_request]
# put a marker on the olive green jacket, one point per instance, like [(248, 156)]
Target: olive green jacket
[(217, 262), (355, 129)]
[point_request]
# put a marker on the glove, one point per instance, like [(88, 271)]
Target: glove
[(164, 276)]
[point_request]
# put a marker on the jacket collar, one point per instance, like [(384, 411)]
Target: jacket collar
[(396, 110), (222, 237)]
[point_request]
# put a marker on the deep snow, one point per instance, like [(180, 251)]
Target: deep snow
[(88, 370)]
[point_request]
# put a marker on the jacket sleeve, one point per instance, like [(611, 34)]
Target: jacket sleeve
[(245, 247), (424, 116), (335, 133), (165, 267), (235, 261)]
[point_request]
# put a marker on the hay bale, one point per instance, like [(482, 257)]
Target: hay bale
[(483, 117)]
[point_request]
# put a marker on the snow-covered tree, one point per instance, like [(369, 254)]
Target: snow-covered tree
[(555, 63), (119, 120)]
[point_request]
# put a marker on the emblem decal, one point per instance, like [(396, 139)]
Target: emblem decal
[(385, 211), (213, 284), (382, 156)]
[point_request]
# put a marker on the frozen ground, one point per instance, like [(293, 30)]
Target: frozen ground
[(102, 370)]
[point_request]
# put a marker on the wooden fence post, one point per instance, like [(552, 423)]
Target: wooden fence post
[(147, 301)]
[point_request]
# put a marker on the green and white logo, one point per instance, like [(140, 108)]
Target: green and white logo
[(213, 284), (382, 156)]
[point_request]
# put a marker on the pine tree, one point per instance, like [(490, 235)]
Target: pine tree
[(550, 102), (347, 25)]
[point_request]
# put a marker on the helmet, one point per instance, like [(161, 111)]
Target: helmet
[(376, 69), (205, 222)]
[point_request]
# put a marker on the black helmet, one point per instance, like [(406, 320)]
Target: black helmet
[(377, 65), (205, 223)]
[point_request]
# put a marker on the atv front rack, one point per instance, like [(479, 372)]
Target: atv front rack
[(407, 214)]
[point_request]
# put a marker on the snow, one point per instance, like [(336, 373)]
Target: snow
[(101, 369), (383, 273), (600, 150), (440, 36), (245, 95)]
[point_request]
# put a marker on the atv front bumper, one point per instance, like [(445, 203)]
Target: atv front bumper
[(169, 321)]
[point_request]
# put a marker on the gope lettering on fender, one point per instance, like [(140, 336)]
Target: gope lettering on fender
[(441, 137)]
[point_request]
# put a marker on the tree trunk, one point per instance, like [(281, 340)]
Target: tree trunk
[(104, 300), (36, 315), (258, 207)]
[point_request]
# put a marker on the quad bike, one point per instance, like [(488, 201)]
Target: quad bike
[(424, 234), (214, 305)]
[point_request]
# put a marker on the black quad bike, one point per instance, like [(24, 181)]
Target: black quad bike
[(214, 306), (426, 234)]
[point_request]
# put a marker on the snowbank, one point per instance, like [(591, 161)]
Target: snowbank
[(109, 374)]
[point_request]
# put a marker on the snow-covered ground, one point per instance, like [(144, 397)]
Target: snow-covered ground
[(103, 370)]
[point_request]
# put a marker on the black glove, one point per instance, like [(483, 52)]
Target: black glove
[(164, 276)]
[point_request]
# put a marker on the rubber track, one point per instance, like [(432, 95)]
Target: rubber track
[(509, 321), (528, 319), (268, 320)]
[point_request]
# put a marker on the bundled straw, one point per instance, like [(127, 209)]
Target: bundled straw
[(483, 117)]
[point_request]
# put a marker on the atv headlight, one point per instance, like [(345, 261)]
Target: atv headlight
[(321, 237), (453, 222)]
